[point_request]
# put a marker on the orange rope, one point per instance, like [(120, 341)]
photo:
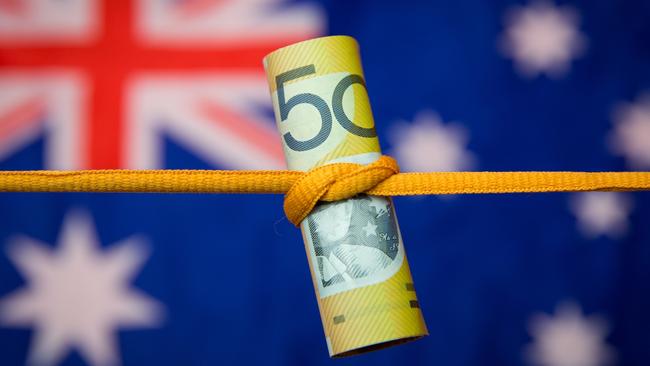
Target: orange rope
[(328, 183)]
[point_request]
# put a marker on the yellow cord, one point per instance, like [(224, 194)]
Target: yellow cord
[(328, 183)]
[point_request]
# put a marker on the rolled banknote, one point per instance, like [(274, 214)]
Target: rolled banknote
[(356, 256)]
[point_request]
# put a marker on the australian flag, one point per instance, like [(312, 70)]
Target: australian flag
[(180, 279)]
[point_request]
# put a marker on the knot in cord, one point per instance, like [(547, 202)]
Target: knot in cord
[(334, 182)]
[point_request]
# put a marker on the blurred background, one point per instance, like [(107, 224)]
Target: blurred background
[(530, 279)]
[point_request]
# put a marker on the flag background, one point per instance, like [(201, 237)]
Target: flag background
[(230, 271)]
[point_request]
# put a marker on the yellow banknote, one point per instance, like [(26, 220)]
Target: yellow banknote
[(356, 256)]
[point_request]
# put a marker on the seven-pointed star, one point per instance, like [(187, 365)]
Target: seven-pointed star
[(602, 213), (542, 38), (568, 338), (370, 229), (77, 296), (631, 137), (428, 145)]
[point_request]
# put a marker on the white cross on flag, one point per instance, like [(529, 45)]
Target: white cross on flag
[(102, 80)]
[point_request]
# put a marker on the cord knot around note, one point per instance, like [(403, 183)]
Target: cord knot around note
[(328, 183), (334, 182)]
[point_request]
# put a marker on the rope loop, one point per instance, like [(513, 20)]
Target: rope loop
[(326, 183), (333, 182)]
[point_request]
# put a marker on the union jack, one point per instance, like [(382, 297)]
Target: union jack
[(102, 80)]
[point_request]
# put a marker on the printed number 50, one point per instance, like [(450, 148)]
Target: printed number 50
[(321, 106)]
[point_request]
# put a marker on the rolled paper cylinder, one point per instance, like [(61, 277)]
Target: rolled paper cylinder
[(362, 279)]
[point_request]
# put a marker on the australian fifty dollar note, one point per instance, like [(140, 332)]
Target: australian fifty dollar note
[(356, 256)]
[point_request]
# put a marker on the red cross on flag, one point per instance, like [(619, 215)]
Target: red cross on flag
[(101, 80)]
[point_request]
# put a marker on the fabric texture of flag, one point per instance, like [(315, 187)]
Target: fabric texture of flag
[(137, 279)]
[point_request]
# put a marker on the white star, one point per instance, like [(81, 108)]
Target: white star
[(568, 339), (429, 145), (601, 213), (542, 38), (370, 229), (380, 204), (631, 137), (78, 295)]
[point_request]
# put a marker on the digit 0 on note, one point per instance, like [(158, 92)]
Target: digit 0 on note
[(354, 247)]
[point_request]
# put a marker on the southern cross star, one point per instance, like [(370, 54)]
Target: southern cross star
[(602, 213), (542, 38), (428, 145), (631, 136), (568, 338)]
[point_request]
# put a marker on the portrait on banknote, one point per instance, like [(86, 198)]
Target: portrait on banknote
[(353, 241)]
